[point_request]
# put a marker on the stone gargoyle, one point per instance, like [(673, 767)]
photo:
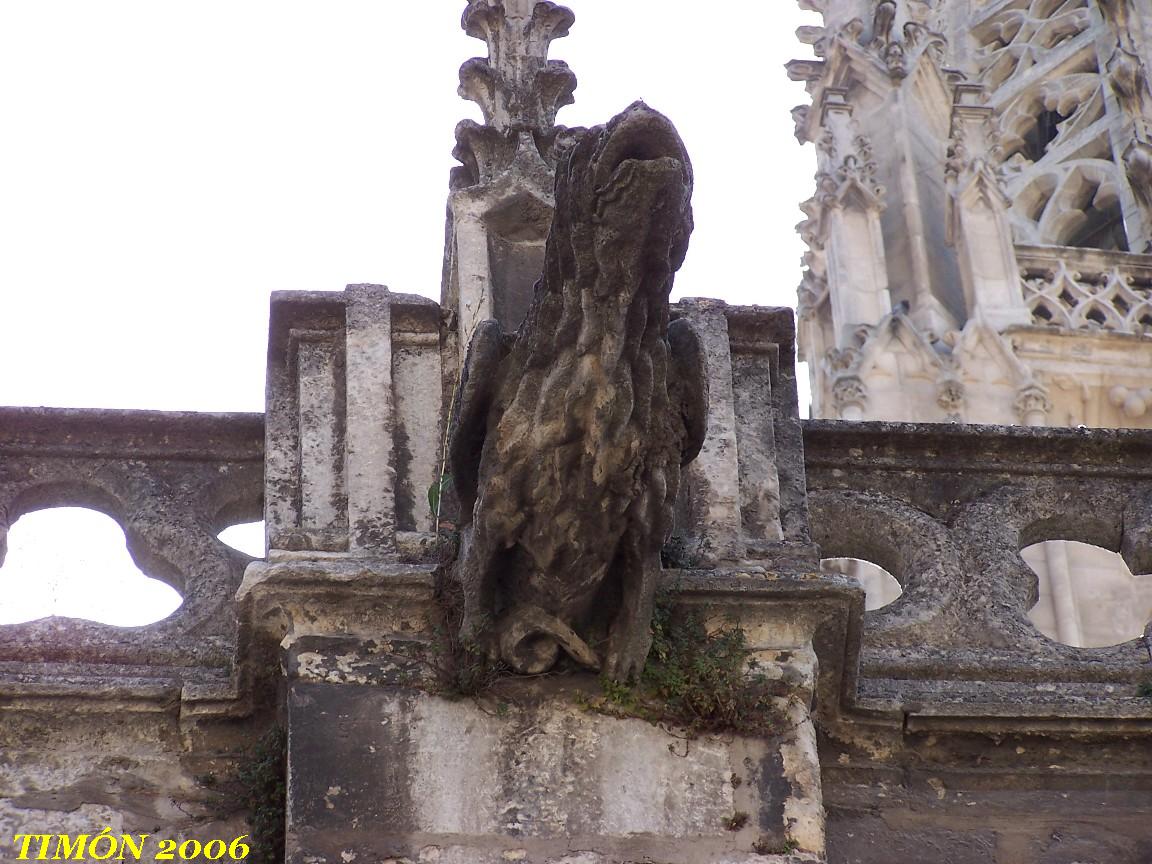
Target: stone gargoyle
[(569, 437)]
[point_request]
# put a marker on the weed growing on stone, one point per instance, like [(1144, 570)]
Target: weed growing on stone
[(461, 671), (695, 679), (764, 846), (258, 788), (1145, 688), (736, 821), (468, 673), (436, 494)]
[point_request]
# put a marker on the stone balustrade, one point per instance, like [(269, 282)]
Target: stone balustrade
[(1087, 289), (946, 509), (338, 625), (172, 481)]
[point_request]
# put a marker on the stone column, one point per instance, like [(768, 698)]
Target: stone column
[(711, 496), (471, 259), (369, 452), (1063, 596)]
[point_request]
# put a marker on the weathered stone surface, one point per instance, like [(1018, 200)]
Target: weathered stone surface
[(946, 510), (568, 442), (173, 482), (77, 766), (743, 502), (999, 745), (103, 726), (398, 774), (302, 596), (1017, 799), (353, 423)]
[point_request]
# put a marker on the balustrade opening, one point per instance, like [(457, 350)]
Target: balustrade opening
[(73, 562), (880, 586), (246, 537), (1088, 596)]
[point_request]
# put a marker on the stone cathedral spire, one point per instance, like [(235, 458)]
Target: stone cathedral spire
[(501, 201), (979, 238)]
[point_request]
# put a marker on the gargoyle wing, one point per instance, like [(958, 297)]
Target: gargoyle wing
[(478, 384), (688, 386)]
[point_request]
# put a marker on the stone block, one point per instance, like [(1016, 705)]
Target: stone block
[(378, 773)]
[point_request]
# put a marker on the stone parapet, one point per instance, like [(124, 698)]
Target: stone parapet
[(355, 391), (172, 481), (745, 498), (946, 509), (130, 727)]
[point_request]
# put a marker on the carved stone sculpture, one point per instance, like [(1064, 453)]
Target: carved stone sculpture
[(569, 436)]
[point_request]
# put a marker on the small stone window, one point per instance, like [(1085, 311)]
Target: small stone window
[(246, 537)]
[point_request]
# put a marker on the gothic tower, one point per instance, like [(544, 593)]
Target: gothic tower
[(980, 234), (980, 238)]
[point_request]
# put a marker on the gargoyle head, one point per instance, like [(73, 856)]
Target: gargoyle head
[(625, 196)]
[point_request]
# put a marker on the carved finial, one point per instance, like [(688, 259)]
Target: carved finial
[(517, 85)]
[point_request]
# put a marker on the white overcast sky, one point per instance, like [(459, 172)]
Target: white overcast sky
[(166, 164)]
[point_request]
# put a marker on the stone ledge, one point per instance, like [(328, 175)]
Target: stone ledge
[(952, 447), (93, 688), (127, 434)]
